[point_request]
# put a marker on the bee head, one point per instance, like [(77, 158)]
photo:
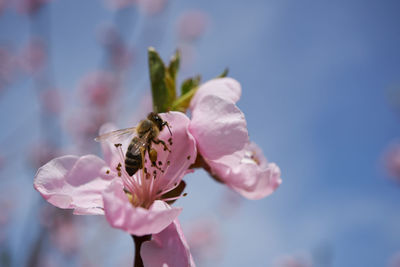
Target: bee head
[(154, 117)]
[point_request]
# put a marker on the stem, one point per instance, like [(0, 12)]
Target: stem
[(138, 262)]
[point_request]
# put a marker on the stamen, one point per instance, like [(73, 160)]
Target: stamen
[(174, 198)]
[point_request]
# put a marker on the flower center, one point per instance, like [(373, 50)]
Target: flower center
[(147, 184), (250, 157)]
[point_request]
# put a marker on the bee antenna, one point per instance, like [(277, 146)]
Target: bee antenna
[(166, 124)]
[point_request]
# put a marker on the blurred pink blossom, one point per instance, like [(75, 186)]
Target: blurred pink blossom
[(99, 88), (224, 144), (33, 56), (119, 4), (8, 66), (2, 162), (394, 261), (293, 261), (204, 238), (121, 56), (3, 5), (152, 7), (135, 204), (192, 24), (392, 160), (65, 236), (167, 248), (188, 54), (51, 100), (29, 6), (84, 125)]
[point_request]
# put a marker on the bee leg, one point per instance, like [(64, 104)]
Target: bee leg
[(153, 157), (142, 154), (159, 141)]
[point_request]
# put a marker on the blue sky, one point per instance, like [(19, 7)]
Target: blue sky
[(314, 76)]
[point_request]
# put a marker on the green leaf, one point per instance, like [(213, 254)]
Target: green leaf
[(171, 75), (174, 64), (189, 84), (188, 89), (161, 83), (224, 74)]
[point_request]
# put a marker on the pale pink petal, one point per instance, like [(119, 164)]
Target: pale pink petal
[(72, 182), (167, 249), (248, 172), (226, 88), (183, 149), (120, 213), (218, 126)]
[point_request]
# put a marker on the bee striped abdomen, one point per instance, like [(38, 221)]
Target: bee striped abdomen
[(133, 161)]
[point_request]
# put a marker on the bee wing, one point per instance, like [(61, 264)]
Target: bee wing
[(116, 136), (139, 143)]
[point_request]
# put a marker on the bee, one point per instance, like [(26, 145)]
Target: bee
[(145, 134)]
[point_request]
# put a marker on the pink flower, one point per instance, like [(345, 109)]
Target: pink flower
[(224, 143), (29, 6), (152, 7), (7, 66), (192, 24), (33, 56), (119, 4), (51, 100), (392, 160), (99, 87), (205, 240), (167, 248), (293, 261), (136, 204)]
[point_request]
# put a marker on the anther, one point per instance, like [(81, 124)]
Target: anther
[(107, 171), (117, 145)]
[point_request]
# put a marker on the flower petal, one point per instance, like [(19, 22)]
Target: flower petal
[(226, 88), (167, 248), (72, 182), (120, 213), (218, 126), (253, 177), (183, 147)]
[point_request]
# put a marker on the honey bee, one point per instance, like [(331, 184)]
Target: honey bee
[(145, 134)]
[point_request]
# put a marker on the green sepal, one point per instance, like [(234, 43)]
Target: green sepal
[(224, 73), (171, 75), (162, 85), (176, 192), (174, 64), (188, 89)]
